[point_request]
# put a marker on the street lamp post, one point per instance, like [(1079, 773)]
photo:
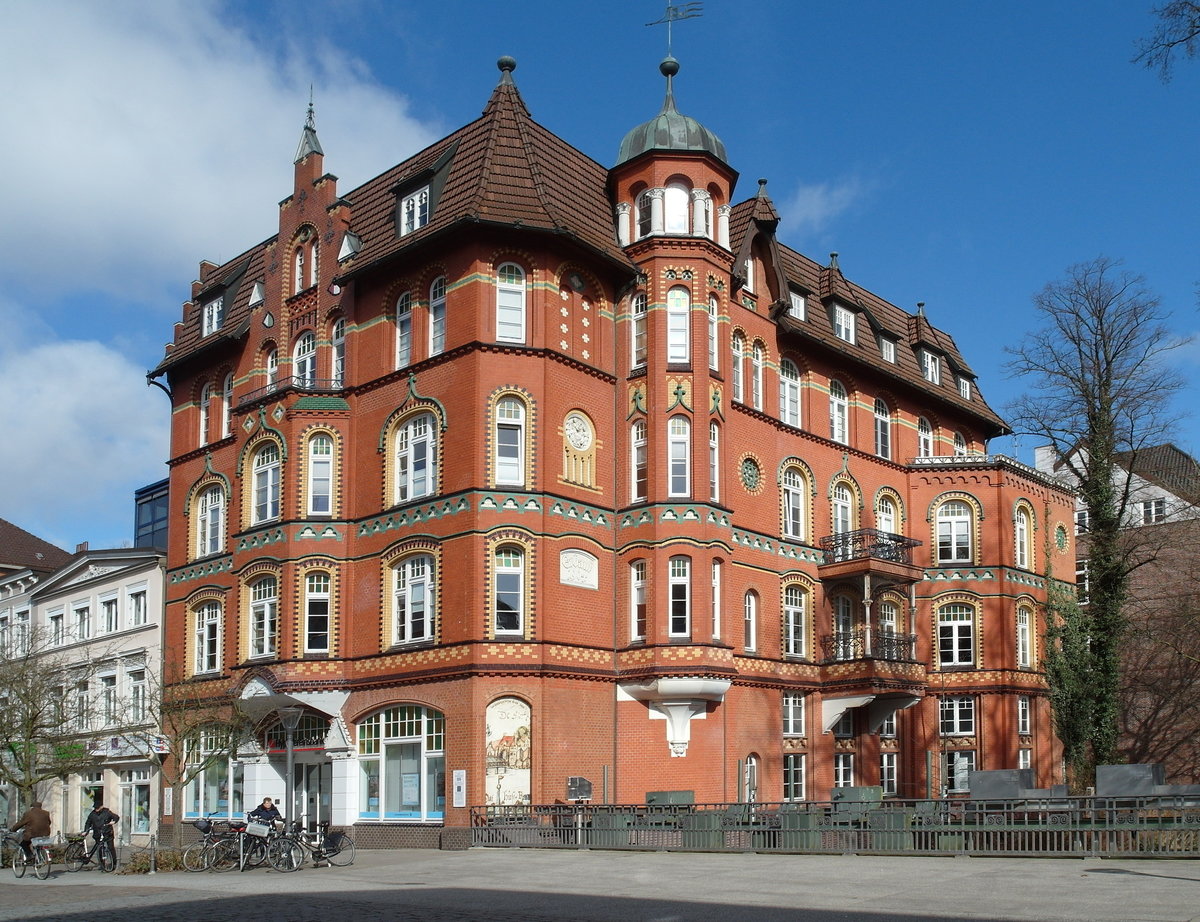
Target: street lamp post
[(290, 718)]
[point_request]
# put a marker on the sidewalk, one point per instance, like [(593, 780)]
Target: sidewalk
[(527, 885)]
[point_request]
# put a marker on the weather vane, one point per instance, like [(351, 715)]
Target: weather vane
[(675, 13)]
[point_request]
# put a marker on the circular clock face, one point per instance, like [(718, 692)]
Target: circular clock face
[(578, 432)]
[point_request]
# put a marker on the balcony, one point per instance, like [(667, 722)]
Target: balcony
[(868, 643), (294, 383), (871, 553)]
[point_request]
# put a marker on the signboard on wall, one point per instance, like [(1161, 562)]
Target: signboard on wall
[(460, 787)]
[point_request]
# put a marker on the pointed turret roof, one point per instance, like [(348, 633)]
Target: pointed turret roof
[(308, 138)]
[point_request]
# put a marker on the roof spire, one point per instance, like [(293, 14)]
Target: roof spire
[(308, 137)]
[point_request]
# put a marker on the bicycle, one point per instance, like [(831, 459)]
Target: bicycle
[(78, 854), (291, 850), (40, 847), (245, 845), (198, 856)]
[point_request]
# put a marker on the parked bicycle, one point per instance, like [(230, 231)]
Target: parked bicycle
[(198, 856), (40, 847), (78, 854), (290, 851)]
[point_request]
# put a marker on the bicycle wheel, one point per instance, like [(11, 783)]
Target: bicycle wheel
[(18, 863), (254, 852), (223, 855), (107, 857), (41, 862), (196, 856), (339, 849), (74, 856), (286, 854)]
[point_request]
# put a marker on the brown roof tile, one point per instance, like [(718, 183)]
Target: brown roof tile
[(19, 550)]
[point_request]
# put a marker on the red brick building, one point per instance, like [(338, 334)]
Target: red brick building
[(509, 467)]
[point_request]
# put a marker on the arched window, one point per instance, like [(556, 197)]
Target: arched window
[(316, 612), (402, 765), (883, 429), (320, 475), (954, 528), (679, 584), (679, 450), (714, 320), (437, 316), (639, 330), (338, 350), (845, 641), (208, 637), (750, 620), (510, 442), (739, 354), (795, 502), (679, 311), (508, 574), (510, 303), (638, 473), (839, 409), (300, 279), (714, 462), (304, 361), (313, 263), (756, 376), (1024, 636), (885, 515), (889, 619), (272, 365), (416, 458), (645, 211), (750, 779), (404, 330), (843, 509), (675, 208), (266, 483), (210, 521), (924, 438), (795, 620), (960, 445), (789, 393), (264, 616), (205, 401), (414, 614), (956, 635), (226, 405), (1023, 528)]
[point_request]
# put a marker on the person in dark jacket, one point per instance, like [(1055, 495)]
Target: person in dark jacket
[(36, 823), (266, 812), (100, 824)]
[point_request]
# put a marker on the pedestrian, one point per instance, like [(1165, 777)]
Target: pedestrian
[(36, 823), (266, 812)]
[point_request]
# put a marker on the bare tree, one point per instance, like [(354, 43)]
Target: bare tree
[(1100, 391), (1176, 32)]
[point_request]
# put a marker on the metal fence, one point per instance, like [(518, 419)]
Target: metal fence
[(1152, 827)]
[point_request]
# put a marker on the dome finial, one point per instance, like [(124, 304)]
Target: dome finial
[(507, 64)]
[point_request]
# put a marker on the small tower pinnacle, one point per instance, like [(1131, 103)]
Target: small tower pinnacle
[(308, 138)]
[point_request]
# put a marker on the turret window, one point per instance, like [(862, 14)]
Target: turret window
[(510, 303), (679, 309), (675, 206)]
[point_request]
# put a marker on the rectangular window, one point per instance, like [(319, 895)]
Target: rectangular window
[(83, 622), (956, 769), (138, 614), (637, 599), (413, 599), (681, 596), (110, 615), (1081, 521), (793, 714), (843, 770), (214, 315), (716, 600), (887, 729), (509, 435), (1154, 511), (843, 323), (964, 388), (956, 635), (57, 631), (108, 700), (714, 318), (1023, 715), (639, 462), (887, 349), (797, 308), (678, 315), (509, 576), (1082, 578), (844, 728), (887, 772), (1024, 758), (794, 622), (931, 366), (679, 449), (138, 701), (957, 715), (316, 615), (320, 476), (414, 211), (1024, 638), (208, 637), (793, 776), (264, 617)]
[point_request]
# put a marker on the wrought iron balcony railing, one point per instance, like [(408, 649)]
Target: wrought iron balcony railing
[(295, 383), (863, 543), (868, 643)]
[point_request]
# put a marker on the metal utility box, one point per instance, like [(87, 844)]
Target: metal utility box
[(1137, 780), (1000, 783), (578, 788)]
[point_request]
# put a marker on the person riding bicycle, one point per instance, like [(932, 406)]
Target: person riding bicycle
[(36, 823), (266, 812), (100, 824)]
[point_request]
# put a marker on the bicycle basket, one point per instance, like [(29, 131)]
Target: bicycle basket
[(42, 840), (202, 824), (333, 841), (257, 829)]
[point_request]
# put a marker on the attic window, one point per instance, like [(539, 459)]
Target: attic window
[(964, 388), (843, 323), (214, 315), (931, 366), (414, 211), (257, 294), (796, 305), (351, 244), (887, 349)]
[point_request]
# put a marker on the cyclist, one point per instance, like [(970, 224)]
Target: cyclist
[(36, 823), (266, 812), (100, 824)]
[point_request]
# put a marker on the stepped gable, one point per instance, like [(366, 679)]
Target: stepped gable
[(504, 169), (19, 550)]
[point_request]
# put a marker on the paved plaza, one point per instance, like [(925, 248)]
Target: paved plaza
[(525, 885)]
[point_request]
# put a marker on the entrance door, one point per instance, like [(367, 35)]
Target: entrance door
[(314, 793)]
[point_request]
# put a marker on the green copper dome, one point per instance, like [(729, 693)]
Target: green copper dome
[(669, 130)]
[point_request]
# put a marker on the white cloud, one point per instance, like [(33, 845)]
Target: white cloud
[(146, 136), (811, 209)]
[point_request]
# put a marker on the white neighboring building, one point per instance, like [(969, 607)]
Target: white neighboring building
[(103, 610)]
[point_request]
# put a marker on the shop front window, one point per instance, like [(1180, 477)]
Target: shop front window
[(403, 765)]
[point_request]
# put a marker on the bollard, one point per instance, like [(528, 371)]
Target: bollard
[(154, 854)]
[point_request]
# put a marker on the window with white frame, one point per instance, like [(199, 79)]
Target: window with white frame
[(402, 765), (714, 462), (216, 787), (510, 303), (81, 614), (638, 339), (20, 632), (226, 405), (316, 612), (964, 388), (956, 635), (637, 599), (266, 483), (264, 616), (510, 441), (839, 409), (887, 349), (750, 779), (795, 621), (1082, 521), (797, 308), (924, 438), (789, 393), (204, 405), (887, 729), (110, 615), (931, 366), (954, 525), (58, 634), (509, 575), (645, 214), (679, 455), (84, 714), (338, 353), (960, 445), (844, 727), (320, 475), (675, 208), (750, 269), (437, 316), (416, 458), (793, 777), (300, 277), (714, 321), (756, 376), (135, 801), (1023, 725), (139, 700), (843, 323), (883, 429), (208, 637), (109, 705), (414, 211), (716, 599), (1024, 758), (638, 451), (1082, 580), (413, 599), (843, 770), (214, 315), (679, 311), (304, 361), (885, 515), (957, 715), (957, 766), (750, 621), (793, 714), (1023, 529), (887, 772), (271, 363), (842, 508), (210, 521), (889, 618), (404, 330), (1153, 511), (738, 348), (680, 589), (795, 502)]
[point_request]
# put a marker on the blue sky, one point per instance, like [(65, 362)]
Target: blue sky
[(960, 154)]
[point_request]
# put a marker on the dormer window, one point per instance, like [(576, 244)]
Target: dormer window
[(964, 388), (797, 308), (214, 315), (887, 349), (843, 323), (414, 211), (351, 244), (931, 366), (257, 294), (749, 270)]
